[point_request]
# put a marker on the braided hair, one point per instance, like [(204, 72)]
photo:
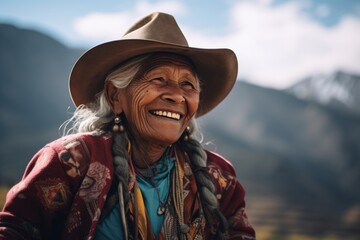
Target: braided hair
[(122, 174), (198, 162), (206, 188), (97, 117)]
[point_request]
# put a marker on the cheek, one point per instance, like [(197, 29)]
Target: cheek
[(138, 102), (138, 98), (192, 104)]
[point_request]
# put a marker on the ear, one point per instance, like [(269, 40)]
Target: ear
[(113, 97)]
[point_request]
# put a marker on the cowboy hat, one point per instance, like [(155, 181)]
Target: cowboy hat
[(157, 32)]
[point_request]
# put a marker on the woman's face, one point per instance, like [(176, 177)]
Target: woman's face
[(160, 104)]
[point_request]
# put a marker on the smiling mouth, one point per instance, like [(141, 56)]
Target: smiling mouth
[(166, 114)]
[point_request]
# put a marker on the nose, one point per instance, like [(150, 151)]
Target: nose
[(173, 93), (174, 98)]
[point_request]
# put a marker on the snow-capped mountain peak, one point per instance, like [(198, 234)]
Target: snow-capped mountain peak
[(339, 89)]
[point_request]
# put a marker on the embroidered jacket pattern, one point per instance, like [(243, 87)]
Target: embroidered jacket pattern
[(65, 185)]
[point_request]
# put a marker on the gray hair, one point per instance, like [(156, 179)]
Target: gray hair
[(96, 116)]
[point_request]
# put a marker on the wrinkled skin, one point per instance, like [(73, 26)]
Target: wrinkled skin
[(168, 85)]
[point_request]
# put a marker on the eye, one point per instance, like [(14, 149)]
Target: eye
[(158, 80), (187, 85)]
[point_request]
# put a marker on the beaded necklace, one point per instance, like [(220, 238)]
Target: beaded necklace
[(155, 171)]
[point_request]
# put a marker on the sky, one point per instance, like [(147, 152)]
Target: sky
[(277, 42)]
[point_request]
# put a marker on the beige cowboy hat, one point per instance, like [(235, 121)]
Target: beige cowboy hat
[(157, 32)]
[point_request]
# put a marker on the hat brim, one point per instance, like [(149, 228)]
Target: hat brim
[(216, 69)]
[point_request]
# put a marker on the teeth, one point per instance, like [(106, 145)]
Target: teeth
[(167, 114)]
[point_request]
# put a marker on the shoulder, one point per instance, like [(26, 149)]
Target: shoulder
[(86, 142), (73, 152), (231, 196), (86, 138), (216, 161)]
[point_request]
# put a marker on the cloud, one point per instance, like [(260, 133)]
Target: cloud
[(323, 10), (101, 27), (276, 45)]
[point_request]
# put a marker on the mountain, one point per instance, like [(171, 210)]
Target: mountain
[(339, 90), (301, 156), (298, 158), (34, 97)]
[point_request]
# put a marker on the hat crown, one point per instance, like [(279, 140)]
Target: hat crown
[(160, 27), (157, 32)]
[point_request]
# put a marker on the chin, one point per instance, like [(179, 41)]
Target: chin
[(169, 140)]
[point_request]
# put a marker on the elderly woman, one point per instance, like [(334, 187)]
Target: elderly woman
[(133, 169)]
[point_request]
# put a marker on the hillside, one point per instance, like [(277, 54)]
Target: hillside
[(33, 94), (299, 159)]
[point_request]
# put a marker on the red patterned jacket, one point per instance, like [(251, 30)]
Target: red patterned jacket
[(66, 183)]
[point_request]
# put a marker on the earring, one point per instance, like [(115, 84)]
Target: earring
[(187, 134), (118, 127)]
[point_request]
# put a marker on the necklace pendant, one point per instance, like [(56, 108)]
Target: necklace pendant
[(161, 210)]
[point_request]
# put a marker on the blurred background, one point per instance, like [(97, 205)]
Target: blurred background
[(291, 125)]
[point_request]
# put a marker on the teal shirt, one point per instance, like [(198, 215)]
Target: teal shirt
[(111, 227)]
